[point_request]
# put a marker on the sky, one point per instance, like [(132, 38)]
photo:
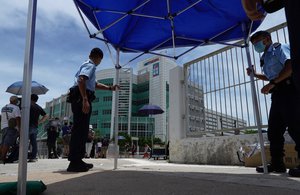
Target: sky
[(61, 45)]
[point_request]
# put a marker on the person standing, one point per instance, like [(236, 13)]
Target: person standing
[(34, 120), (66, 135), (81, 96), (90, 141), (277, 68), (292, 7), (133, 149), (53, 130), (104, 147), (10, 125), (99, 145), (147, 151)]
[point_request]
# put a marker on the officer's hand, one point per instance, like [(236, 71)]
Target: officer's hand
[(266, 89), (115, 87), (85, 106), (250, 70)]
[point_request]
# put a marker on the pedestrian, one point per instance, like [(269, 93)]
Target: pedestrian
[(89, 142), (147, 151), (104, 147), (99, 145), (10, 126), (34, 120), (81, 96), (277, 69), (53, 129), (66, 135), (127, 150), (133, 149)]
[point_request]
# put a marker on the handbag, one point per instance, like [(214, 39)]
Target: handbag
[(12, 122), (271, 6)]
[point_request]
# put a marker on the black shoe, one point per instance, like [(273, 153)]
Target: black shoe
[(272, 168), (32, 160), (77, 167), (88, 165), (295, 172)]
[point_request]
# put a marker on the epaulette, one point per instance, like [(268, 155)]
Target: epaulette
[(275, 45)]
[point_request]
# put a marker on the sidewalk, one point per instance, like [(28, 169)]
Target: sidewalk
[(141, 176)]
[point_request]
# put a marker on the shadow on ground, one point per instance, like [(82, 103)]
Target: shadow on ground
[(163, 183)]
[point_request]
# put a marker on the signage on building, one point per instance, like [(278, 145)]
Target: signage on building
[(155, 69), (151, 61)]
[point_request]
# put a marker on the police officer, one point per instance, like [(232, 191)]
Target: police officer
[(277, 69), (84, 88)]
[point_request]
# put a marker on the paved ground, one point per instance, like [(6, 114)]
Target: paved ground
[(140, 176)]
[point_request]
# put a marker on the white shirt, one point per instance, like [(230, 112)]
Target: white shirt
[(12, 111)]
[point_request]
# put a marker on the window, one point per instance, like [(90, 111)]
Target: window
[(105, 125), (106, 112), (95, 112), (107, 98)]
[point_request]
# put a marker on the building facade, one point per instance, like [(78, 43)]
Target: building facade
[(148, 86)]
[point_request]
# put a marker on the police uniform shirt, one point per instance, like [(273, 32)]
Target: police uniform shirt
[(274, 59), (87, 69)]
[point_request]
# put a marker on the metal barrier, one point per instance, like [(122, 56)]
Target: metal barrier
[(218, 91)]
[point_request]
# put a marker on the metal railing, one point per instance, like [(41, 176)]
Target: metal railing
[(218, 91)]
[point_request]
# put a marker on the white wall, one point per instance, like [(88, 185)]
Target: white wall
[(205, 150), (220, 150)]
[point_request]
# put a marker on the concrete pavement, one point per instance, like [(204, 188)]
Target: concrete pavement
[(141, 176)]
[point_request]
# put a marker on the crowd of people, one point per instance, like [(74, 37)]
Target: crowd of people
[(10, 125)]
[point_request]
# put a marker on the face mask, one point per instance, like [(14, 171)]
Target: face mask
[(259, 46)]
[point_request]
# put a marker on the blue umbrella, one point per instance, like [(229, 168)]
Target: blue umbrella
[(150, 109), (36, 88)]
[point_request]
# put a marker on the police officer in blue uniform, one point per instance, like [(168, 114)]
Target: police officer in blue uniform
[(80, 96), (277, 69)]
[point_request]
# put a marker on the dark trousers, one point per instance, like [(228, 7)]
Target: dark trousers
[(79, 133), (284, 115), (52, 147), (33, 142), (292, 8)]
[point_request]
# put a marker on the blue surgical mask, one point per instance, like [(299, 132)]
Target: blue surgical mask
[(259, 46)]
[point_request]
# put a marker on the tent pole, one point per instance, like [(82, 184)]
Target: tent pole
[(27, 77), (255, 101), (116, 117)]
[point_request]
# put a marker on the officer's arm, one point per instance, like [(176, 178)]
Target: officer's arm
[(102, 86), (82, 86), (261, 77), (250, 7), (256, 75), (285, 72)]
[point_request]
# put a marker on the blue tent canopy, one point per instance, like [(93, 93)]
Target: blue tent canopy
[(148, 25), (143, 26)]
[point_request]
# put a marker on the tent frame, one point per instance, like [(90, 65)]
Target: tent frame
[(27, 78), (246, 28), (170, 16), (28, 65)]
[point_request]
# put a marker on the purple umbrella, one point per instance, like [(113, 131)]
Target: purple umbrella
[(150, 110)]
